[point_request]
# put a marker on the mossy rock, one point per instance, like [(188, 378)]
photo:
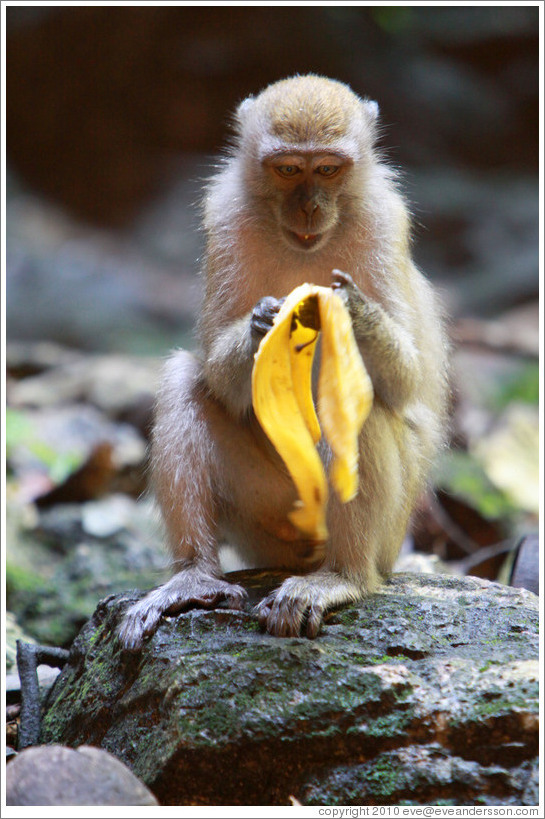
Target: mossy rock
[(425, 691)]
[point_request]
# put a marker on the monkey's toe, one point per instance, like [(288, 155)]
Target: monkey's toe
[(236, 597), (139, 621), (129, 638), (315, 616), (130, 634), (289, 616)]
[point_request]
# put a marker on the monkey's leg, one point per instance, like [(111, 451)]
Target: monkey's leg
[(185, 463), (365, 536), (349, 573)]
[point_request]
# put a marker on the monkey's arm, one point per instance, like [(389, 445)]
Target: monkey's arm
[(229, 355), (388, 350)]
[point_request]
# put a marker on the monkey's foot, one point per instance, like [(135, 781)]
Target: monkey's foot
[(298, 606), (188, 589)]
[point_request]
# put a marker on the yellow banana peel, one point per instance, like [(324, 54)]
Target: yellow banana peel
[(283, 402)]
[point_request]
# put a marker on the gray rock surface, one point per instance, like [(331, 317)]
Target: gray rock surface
[(73, 554), (425, 693), (61, 776)]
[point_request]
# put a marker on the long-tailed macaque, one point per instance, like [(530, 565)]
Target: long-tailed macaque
[(302, 197)]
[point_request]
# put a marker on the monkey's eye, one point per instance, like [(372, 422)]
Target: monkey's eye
[(327, 170), (287, 170)]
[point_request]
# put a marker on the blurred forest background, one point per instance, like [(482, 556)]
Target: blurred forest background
[(113, 117)]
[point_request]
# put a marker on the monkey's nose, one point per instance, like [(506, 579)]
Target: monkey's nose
[(309, 207)]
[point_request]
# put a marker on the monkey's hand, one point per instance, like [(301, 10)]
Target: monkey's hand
[(345, 287), (386, 347), (191, 587), (263, 315), (298, 606)]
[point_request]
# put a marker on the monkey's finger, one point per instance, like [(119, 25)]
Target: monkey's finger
[(261, 323), (340, 279), (269, 303), (344, 285), (261, 326), (264, 313)]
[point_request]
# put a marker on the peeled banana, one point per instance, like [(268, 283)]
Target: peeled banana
[(283, 402)]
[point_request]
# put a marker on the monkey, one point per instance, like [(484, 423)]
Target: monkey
[(302, 195)]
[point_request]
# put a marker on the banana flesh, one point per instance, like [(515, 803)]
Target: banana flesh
[(283, 402)]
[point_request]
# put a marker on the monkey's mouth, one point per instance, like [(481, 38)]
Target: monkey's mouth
[(305, 240)]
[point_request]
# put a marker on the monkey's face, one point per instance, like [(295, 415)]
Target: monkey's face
[(305, 190)]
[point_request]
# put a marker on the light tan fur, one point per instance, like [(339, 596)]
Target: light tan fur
[(302, 196)]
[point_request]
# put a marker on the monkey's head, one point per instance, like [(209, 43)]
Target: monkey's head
[(305, 143)]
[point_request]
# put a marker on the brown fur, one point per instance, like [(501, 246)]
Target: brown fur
[(217, 477)]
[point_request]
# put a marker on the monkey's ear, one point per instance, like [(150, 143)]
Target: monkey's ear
[(241, 114), (371, 110)]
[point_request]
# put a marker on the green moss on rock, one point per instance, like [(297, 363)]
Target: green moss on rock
[(409, 697)]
